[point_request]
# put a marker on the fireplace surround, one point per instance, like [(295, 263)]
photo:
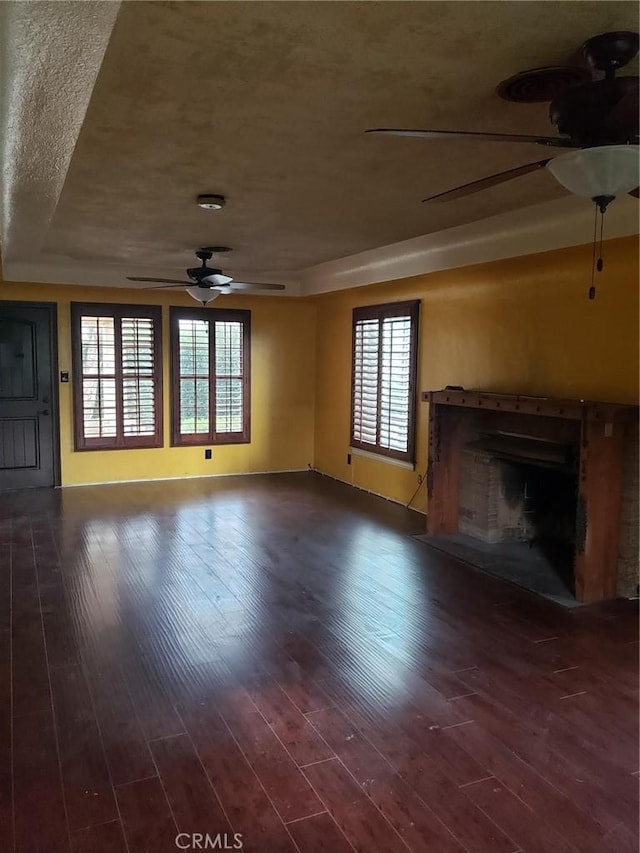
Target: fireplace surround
[(518, 468)]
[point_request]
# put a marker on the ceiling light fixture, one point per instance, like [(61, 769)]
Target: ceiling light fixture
[(202, 294), (207, 201), (601, 174)]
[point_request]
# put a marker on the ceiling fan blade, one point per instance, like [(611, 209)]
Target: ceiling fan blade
[(635, 193), (489, 181), (255, 285), (180, 286), (159, 280), (215, 279), (552, 141)]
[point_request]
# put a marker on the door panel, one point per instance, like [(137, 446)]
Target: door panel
[(27, 410), (18, 342), (18, 443)]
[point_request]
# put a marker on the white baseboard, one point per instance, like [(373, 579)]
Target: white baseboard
[(186, 477), (368, 491), (239, 474)]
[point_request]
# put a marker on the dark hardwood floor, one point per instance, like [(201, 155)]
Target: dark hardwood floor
[(275, 656)]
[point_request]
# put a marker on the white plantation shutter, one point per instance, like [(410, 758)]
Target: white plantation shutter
[(229, 366), (117, 376), (98, 377), (395, 385), (211, 369), (194, 367), (384, 378), (365, 381), (138, 369)]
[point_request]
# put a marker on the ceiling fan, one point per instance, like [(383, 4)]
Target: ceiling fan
[(207, 283), (587, 113)]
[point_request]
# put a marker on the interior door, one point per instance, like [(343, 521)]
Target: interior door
[(28, 404)]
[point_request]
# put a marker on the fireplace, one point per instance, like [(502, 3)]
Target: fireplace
[(530, 488), (524, 502)]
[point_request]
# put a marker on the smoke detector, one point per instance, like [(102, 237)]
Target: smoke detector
[(207, 201)]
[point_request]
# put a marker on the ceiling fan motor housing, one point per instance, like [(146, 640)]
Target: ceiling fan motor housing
[(598, 113), (541, 85), (609, 51), (199, 273)]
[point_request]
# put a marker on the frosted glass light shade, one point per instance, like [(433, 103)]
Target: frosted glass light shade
[(609, 170), (202, 294)]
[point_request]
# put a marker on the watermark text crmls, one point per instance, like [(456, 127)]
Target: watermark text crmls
[(206, 841)]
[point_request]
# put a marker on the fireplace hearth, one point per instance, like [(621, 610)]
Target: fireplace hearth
[(530, 488)]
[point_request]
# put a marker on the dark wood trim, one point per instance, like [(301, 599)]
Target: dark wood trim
[(381, 312), (526, 405), (443, 470), (213, 401), (246, 377), (413, 381), (386, 309), (600, 489), (117, 343), (55, 391), (211, 315), (117, 311)]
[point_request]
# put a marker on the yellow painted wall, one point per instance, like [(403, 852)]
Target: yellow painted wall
[(282, 390), (520, 326), (517, 326)]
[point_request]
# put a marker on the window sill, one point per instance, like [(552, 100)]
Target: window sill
[(379, 457), (208, 442), (133, 446)]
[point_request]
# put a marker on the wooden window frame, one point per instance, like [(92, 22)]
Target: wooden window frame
[(382, 312), (211, 315), (117, 311)]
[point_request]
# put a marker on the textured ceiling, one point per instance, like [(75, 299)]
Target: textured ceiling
[(266, 103)]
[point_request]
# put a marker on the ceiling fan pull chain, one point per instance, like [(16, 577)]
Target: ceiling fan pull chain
[(592, 289), (600, 264)]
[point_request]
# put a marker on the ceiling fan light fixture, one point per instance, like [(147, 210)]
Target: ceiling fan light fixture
[(608, 170), (203, 295)]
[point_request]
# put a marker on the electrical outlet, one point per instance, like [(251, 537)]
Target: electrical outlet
[(420, 478), (348, 459), (207, 453)]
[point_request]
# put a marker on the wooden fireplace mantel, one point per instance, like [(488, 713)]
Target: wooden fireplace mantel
[(595, 429), (545, 406)]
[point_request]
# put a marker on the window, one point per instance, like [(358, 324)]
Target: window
[(117, 370), (383, 403), (210, 360)]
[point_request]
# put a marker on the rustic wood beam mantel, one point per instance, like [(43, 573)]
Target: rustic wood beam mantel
[(527, 405)]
